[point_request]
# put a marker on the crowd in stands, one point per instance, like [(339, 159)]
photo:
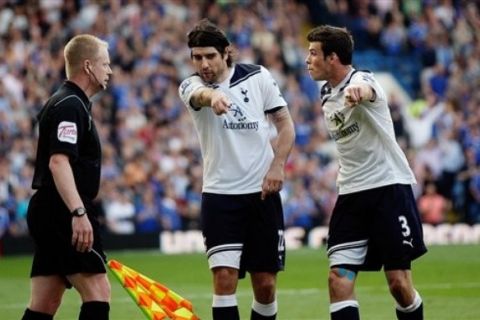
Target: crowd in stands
[(151, 170)]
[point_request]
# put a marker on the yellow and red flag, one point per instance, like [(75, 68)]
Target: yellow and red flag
[(155, 300)]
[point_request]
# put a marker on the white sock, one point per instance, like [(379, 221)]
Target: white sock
[(266, 310), (417, 301), (224, 301)]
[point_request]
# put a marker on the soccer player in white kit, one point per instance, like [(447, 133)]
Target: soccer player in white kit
[(232, 106), (375, 222)]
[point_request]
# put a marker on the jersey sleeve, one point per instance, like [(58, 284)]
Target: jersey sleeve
[(365, 77), (66, 127), (272, 96), (188, 87)]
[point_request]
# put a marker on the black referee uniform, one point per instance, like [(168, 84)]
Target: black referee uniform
[(66, 127)]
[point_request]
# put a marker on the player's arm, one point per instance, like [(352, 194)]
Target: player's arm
[(283, 122), (209, 97), (358, 92), (82, 234), (273, 181), (196, 94)]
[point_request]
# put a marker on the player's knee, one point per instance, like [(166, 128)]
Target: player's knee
[(398, 286), (265, 284), (264, 289), (105, 291), (96, 290), (225, 280)]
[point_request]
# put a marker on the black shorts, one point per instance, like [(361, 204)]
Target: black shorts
[(374, 228), (50, 226), (244, 232)]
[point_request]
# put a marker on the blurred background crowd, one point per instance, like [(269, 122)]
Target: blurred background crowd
[(151, 176)]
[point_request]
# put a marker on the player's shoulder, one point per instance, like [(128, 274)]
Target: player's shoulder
[(246, 68), (191, 80), (244, 71), (363, 75)]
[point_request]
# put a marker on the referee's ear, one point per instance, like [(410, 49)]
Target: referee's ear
[(87, 66)]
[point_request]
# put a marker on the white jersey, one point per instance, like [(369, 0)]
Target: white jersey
[(236, 146), (369, 155)]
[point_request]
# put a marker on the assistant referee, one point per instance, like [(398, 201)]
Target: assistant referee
[(61, 217)]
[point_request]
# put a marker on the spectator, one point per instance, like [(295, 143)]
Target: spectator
[(119, 213), (464, 200), (142, 115), (473, 213), (4, 221), (432, 206), (148, 217), (300, 209)]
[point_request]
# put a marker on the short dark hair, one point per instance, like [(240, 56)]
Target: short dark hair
[(333, 39), (207, 34)]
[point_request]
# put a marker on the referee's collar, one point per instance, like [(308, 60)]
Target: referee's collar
[(79, 92)]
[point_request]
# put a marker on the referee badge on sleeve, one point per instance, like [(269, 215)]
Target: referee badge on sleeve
[(67, 132)]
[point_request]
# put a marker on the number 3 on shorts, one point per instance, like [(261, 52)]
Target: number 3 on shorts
[(404, 224)]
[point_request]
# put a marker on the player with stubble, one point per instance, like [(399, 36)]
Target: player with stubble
[(375, 221), (61, 216), (232, 107)]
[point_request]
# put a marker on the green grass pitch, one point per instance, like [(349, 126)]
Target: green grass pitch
[(448, 278)]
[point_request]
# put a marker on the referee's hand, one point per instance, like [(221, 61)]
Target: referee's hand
[(82, 233)]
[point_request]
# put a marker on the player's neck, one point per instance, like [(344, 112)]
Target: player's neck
[(339, 75), (224, 75)]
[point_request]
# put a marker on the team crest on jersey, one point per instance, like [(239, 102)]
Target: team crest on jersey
[(237, 112), (337, 119), (336, 126), (244, 92), (67, 132)]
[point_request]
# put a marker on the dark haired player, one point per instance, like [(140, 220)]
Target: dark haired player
[(232, 106), (375, 222)]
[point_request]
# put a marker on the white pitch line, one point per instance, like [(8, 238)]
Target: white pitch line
[(281, 292)]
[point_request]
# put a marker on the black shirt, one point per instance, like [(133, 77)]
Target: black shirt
[(66, 127)]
